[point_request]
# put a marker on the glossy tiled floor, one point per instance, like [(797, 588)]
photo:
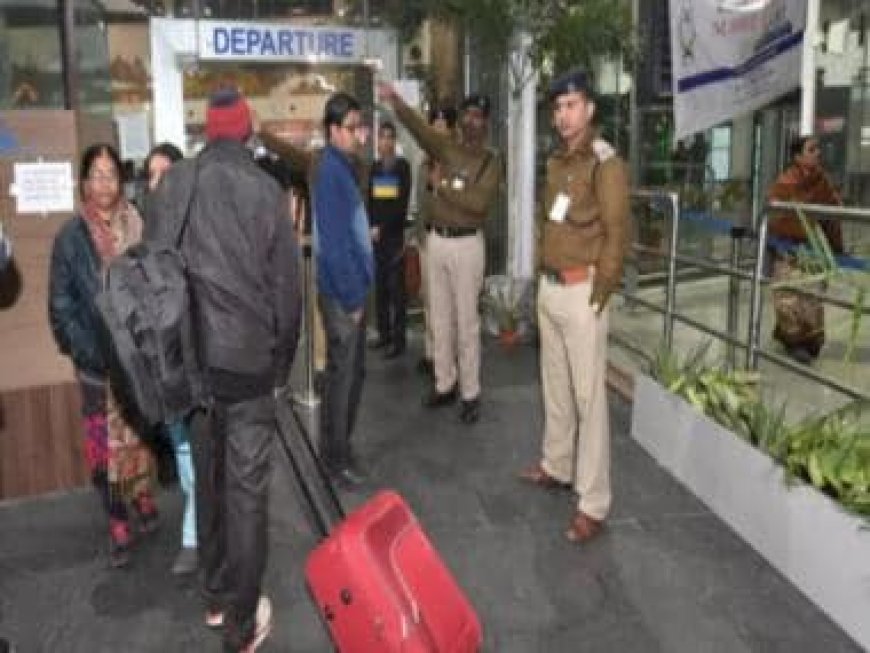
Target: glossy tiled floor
[(666, 575)]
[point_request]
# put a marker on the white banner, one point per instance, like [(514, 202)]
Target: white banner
[(730, 57), (279, 42)]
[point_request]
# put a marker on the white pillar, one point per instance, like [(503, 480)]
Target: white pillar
[(172, 43), (521, 167), (808, 68)]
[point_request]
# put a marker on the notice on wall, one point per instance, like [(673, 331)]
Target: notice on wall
[(43, 187), (133, 135)]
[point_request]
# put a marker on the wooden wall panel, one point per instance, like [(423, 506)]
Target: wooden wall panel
[(40, 432), (41, 441)]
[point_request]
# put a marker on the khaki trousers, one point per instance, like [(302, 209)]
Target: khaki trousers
[(456, 267), (576, 444), (424, 298)]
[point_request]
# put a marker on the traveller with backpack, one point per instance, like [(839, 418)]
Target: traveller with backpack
[(105, 226), (242, 266)]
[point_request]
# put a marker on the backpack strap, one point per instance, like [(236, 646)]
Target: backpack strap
[(185, 219)]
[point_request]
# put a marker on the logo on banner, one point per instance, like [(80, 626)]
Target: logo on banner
[(687, 33), (730, 57)]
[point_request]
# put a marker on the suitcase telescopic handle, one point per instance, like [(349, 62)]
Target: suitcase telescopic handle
[(322, 521)]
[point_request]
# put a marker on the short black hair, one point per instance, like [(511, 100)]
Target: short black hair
[(389, 126), (93, 153), (477, 101), (166, 149), (445, 113), (336, 110), (796, 147)]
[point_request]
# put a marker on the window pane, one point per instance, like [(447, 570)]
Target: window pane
[(30, 68)]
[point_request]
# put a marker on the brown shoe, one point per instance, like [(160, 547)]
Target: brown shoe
[(583, 528), (536, 475)]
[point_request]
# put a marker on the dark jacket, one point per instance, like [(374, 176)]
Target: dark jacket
[(345, 266), (807, 186), (243, 264), (389, 191), (74, 281)]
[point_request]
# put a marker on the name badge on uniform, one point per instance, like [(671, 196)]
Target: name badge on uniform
[(560, 208)]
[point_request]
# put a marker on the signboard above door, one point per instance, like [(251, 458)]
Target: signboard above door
[(239, 41)]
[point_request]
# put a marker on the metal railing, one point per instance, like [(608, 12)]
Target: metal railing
[(737, 271), (755, 350)]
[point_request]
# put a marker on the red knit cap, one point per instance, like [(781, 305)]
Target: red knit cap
[(228, 116)]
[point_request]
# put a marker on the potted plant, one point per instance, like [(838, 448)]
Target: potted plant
[(503, 306), (799, 494)]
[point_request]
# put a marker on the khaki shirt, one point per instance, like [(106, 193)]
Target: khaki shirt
[(471, 175), (585, 212)]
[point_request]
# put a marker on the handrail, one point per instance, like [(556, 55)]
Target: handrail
[(827, 211), (737, 273)]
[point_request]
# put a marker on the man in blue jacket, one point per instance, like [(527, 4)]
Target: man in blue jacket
[(345, 270)]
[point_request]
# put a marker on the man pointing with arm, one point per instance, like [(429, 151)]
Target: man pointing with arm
[(459, 206)]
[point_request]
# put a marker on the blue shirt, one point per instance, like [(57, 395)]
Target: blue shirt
[(342, 245)]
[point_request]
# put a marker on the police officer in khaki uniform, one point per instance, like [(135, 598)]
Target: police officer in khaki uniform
[(460, 203), (583, 239)]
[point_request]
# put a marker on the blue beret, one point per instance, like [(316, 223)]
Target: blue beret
[(477, 101), (574, 81)]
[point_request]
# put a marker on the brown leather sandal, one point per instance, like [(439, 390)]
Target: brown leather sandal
[(536, 475), (583, 528)]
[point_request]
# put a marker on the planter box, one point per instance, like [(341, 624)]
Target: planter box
[(800, 531)]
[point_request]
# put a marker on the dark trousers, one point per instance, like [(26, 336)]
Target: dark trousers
[(231, 444), (345, 371), (390, 297)]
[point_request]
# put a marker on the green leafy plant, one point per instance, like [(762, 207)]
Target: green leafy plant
[(831, 451), (504, 304), (727, 397), (818, 266), (563, 33)]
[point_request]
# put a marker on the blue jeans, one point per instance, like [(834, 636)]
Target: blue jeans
[(179, 435)]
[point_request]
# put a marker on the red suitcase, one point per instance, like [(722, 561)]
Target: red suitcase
[(381, 587)]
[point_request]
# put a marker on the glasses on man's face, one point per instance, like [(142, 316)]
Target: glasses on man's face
[(103, 178)]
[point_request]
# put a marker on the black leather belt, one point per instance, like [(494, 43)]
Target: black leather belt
[(452, 232)]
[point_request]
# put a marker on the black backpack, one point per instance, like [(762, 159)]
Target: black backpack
[(146, 307)]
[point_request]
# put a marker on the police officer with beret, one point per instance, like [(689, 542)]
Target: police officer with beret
[(460, 203), (583, 238)]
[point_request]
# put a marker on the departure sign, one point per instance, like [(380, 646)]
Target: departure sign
[(258, 42)]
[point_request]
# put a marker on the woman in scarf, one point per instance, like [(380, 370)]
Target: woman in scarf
[(800, 319), (106, 225)]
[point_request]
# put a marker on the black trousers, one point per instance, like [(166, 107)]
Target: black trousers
[(345, 372), (390, 297), (232, 444)]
